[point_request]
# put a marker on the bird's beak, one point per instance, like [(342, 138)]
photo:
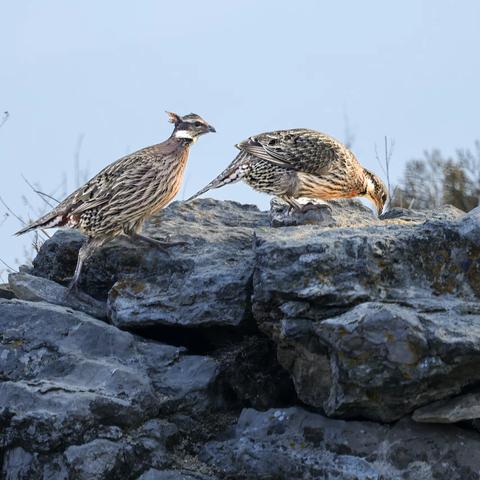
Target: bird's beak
[(211, 129), (380, 206)]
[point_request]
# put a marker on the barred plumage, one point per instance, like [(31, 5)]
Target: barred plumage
[(119, 198), (301, 163)]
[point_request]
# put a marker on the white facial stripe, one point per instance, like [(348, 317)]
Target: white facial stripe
[(369, 187), (185, 134), (194, 120)]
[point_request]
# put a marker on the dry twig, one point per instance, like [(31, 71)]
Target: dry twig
[(385, 166)]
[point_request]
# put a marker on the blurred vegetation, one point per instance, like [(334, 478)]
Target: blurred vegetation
[(436, 180)]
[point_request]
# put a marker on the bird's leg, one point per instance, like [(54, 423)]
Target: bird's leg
[(292, 204), (85, 251)]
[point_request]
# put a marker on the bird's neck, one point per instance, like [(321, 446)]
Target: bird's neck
[(368, 184), (184, 136), (178, 142)]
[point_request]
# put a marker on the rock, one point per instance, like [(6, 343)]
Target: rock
[(97, 459), (470, 226), (318, 293), (294, 443), (351, 315), (6, 292), (406, 215), (205, 283), (457, 409), (249, 374), (37, 289), (57, 257), (385, 359), (75, 384), (154, 474), (123, 455)]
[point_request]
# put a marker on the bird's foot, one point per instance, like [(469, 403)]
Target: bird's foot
[(293, 207)]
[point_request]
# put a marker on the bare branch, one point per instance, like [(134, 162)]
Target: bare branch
[(40, 194), (4, 119), (7, 265), (20, 219), (76, 160), (5, 218), (385, 165), (349, 136)]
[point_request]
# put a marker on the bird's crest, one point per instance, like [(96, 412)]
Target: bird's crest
[(174, 118)]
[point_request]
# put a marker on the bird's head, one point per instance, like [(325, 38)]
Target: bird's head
[(375, 190), (189, 126)]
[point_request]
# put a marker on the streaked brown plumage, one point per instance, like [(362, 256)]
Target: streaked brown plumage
[(301, 163), (119, 198)]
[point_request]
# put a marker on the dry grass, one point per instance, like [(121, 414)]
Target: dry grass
[(35, 209), (385, 163)]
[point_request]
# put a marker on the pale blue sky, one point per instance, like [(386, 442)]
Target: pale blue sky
[(407, 69)]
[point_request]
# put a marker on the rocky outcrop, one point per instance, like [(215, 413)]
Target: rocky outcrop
[(74, 384), (372, 321), (224, 356), (294, 443), (207, 282)]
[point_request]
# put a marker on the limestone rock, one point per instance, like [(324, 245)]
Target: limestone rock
[(457, 409), (373, 321), (294, 443), (37, 289), (207, 282), (73, 383), (370, 318)]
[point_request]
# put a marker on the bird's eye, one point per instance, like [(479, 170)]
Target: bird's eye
[(198, 124)]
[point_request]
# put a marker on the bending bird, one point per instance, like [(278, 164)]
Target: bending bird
[(119, 198), (301, 163)]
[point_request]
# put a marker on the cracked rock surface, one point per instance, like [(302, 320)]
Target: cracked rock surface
[(321, 344)]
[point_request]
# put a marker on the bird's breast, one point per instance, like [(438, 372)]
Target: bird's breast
[(168, 182)]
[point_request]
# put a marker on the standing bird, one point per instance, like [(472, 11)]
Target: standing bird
[(119, 198), (301, 163)]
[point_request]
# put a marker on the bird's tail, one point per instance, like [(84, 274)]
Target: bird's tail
[(49, 220), (233, 173)]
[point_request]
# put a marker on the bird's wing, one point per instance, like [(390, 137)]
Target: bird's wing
[(233, 173), (84, 198), (118, 185), (298, 149)]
